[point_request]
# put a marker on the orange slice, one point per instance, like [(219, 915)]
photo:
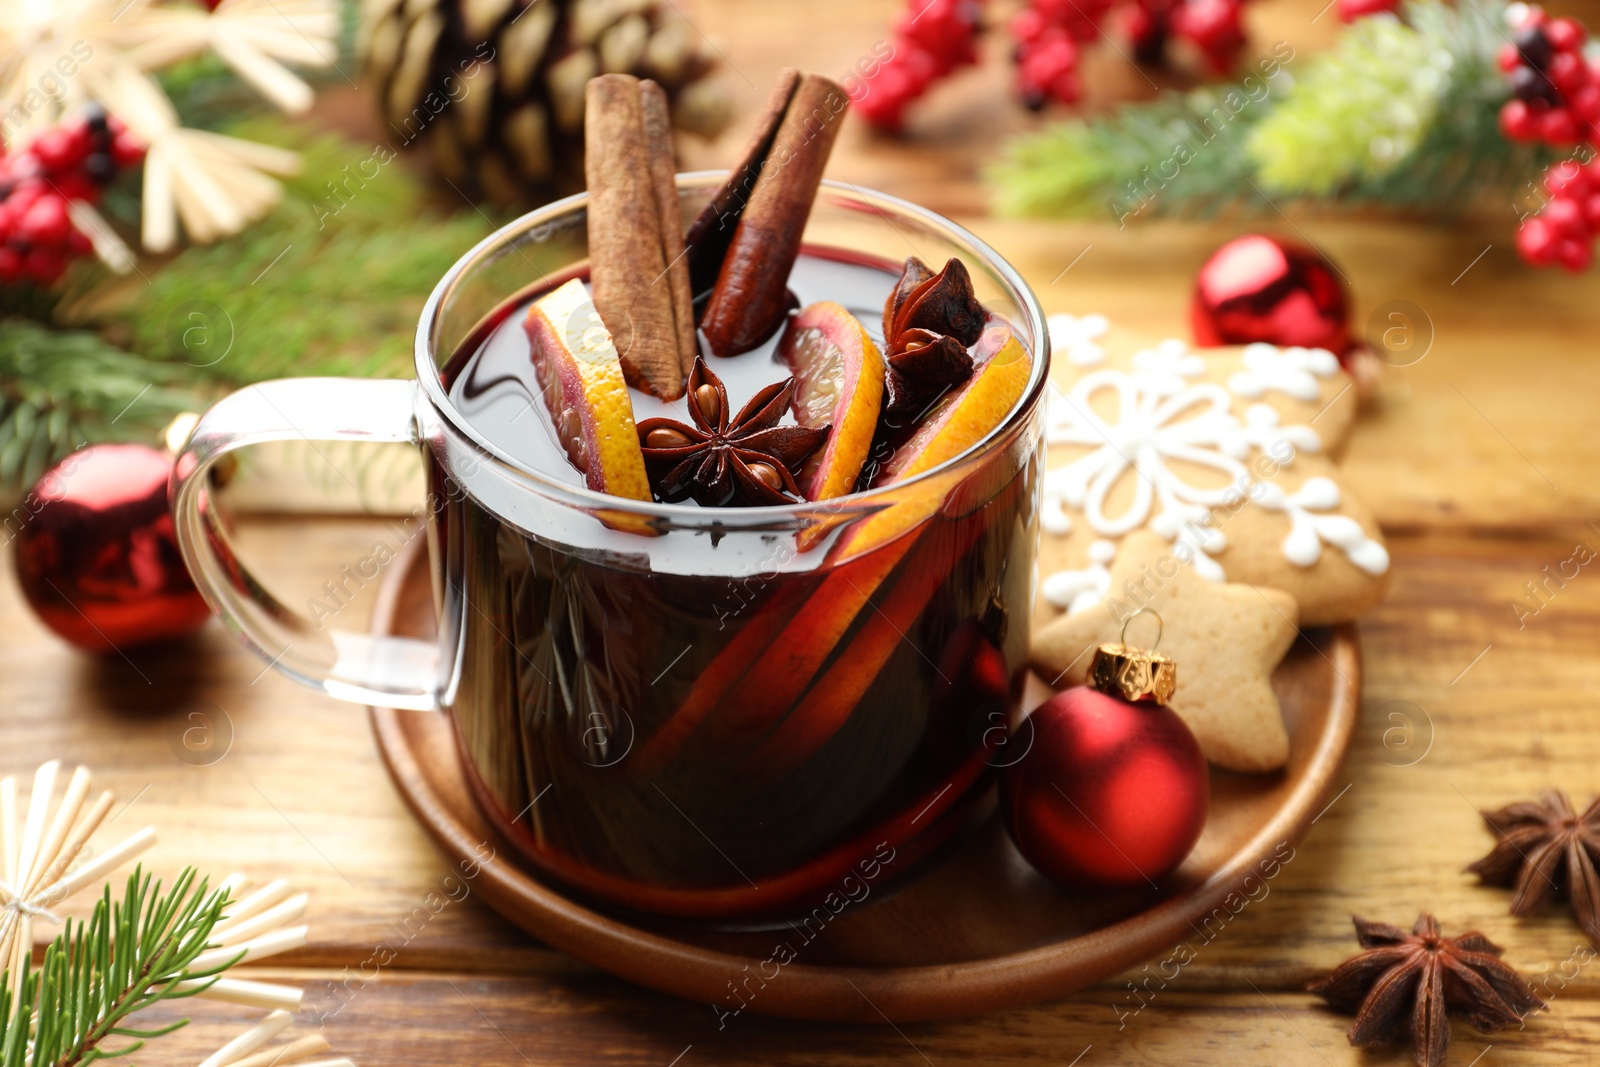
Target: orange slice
[(581, 378), (957, 423), (781, 674), (838, 375)]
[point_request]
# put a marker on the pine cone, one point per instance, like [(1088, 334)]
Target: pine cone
[(496, 87)]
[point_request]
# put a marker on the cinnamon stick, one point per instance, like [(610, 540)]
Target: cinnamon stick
[(751, 295), (627, 261), (663, 180), (712, 231)]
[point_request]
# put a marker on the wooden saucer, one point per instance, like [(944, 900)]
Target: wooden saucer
[(978, 931)]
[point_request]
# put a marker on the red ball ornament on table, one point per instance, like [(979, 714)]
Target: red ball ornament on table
[(1258, 288), (96, 556), (1112, 793)]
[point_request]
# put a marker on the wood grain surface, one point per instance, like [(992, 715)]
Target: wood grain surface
[(1479, 460)]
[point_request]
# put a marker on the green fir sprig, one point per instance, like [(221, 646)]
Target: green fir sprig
[(131, 954), (62, 389), (1400, 113)]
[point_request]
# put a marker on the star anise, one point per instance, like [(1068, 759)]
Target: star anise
[(944, 303), (924, 367), (929, 321), (746, 460), (1545, 847), (1408, 984)]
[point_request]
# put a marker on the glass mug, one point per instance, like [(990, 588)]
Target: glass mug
[(713, 713)]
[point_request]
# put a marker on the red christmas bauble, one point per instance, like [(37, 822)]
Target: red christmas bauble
[(96, 555), (1111, 795), (1258, 288)]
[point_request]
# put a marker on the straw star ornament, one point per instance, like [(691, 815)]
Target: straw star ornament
[(45, 858), (56, 55)]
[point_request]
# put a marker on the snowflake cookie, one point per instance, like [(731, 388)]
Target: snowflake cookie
[(1226, 453)]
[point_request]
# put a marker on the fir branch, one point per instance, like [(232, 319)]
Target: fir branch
[(1188, 144), (330, 283), (60, 389), (1404, 114), (130, 954), (1399, 113)]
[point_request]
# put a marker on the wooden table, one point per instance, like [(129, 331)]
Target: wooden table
[(1479, 461)]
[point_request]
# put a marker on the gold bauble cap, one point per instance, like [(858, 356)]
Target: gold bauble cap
[(1134, 674)]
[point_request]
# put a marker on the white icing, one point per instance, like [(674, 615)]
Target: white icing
[(1054, 518), (1286, 370), (1076, 336), (1163, 368), (1076, 590), (1262, 429), (1160, 417), (1308, 531)]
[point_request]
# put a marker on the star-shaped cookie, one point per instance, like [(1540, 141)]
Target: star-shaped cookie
[(1226, 639)]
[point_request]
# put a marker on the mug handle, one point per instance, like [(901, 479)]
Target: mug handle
[(391, 672)]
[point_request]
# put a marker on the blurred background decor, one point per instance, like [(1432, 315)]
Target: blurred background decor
[(515, 71), (1431, 111)]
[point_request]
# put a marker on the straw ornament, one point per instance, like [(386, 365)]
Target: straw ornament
[(250, 1049), (40, 850), (56, 55)]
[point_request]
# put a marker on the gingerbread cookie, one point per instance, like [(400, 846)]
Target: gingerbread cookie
[(1226, 639), (1225, 452)]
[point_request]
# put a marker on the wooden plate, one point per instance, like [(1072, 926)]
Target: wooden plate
[(978, 931)]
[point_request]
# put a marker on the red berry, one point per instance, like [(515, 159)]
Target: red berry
[(44, 265), (10, 265), (1585, 103), (944, 29), (882, 98), (1210, 24), (1057, 11), (125, 149), (1519, 121), (59, 148), (1575, 255), (1536, 242), (1566, 179), (1568, 73), (1565, 35), (1557, 126), (1508, 57), (46, 222), (1566, 216), (1028, 26), (76, 185), (1350, 10)]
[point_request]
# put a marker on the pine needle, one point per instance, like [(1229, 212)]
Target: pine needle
[(96, 975), (61, 389)]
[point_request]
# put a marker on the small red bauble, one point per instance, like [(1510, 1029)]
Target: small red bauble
[(1111, 794), (96, 555), (1258, 288)]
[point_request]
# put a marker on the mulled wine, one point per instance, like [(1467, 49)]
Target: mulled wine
[(670, 738)]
